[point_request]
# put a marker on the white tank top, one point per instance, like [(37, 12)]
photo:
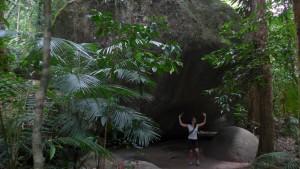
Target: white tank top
[(193, 135)]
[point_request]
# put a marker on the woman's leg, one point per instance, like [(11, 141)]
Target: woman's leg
[(191, 156), (197, 153), (191, 147)]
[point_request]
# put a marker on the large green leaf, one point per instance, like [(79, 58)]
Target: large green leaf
[(71, 83)]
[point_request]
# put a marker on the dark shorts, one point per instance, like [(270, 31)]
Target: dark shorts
[(193, 144)]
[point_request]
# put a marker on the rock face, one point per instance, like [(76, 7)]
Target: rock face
[(233, 144), (194, 24)]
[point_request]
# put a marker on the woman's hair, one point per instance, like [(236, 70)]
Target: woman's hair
[(194, 118)]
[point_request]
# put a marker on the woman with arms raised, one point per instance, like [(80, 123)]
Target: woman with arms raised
[(193, 138)]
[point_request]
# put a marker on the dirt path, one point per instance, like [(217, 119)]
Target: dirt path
[(174, 155)]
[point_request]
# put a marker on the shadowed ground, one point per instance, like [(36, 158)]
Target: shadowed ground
[(174, 155)]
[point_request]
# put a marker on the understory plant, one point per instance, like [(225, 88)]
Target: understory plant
[(275, 160)]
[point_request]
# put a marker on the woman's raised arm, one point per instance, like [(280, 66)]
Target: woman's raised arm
[(204, 121), (180, 122)]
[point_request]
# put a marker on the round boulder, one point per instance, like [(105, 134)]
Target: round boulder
[(194, 24), (233, 144)]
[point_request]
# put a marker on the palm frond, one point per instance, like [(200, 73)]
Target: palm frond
[(129, 75), (123, 93), (278, 159), (61, 49), (126, 63), (71, 124), (144, 131), (122, 117), (110, 50), (71, 83), (87, 144), (10, 87), (135, 125), (60, 46), (92, 107), (244, 5), (133, 77), (81, 116), (295, 164)]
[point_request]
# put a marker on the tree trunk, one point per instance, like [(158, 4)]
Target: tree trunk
[(18, 18), (296, 9), (39, 26), (266, 127), (253, 95), (253, 112), (37, 151), (3, 52), (2, 25), (101, 160)]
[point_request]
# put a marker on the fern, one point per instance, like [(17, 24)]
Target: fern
[(293, 165), (86, 144), (275, 160)]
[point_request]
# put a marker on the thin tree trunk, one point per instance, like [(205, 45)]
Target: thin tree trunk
[(37, 151), (18, 18), (3, 51), (101, 160), (296, 9), (39, 26), (10, 11), (2, 25), (3, 130), (266, 128)]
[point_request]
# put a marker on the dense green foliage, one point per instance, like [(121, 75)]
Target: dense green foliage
[(238, 59), (92, 87), (27, 16), (90, 92), (241, 59)]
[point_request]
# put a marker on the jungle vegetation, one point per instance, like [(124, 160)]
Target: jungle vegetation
[(85, 102)]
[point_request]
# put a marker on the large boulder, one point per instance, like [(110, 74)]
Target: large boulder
[(119, 162), (130, 164), (194, 24), (233, 144)]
